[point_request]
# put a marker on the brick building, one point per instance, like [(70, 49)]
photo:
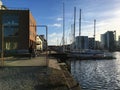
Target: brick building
[(19, 29)]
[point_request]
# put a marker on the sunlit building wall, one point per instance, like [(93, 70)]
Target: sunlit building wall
[(2, 7)]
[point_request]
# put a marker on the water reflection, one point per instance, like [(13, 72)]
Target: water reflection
[(97, 74)]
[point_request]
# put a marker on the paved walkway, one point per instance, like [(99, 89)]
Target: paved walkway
[(37, 61), (30, 74)]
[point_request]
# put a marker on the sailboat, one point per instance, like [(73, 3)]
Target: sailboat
[(87, 53)]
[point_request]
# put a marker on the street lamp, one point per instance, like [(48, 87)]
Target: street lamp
[(46, 27), (47, 62), (2, 51)]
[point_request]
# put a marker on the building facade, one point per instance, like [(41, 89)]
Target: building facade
[(41, 43), (108, 41), (91, 43), (103, 41), (119, 41), (19, 30), (97, 45), (81, 42)]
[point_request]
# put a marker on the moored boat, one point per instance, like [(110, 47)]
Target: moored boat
[(91, 54)]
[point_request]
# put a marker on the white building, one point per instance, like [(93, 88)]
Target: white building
[(2, 7), (40, 43), (1, 4)]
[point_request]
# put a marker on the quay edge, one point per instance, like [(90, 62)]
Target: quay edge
[(65, 67)]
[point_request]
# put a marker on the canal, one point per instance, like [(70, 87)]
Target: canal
[(97, 74)]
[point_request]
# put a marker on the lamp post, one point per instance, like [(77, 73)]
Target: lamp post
[(46, 27), (2, 51)]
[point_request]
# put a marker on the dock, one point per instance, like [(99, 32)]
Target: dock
[(67, 56)]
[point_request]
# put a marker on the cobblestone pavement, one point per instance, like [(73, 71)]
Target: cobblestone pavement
[(32, 74), (23, 78), (37, 61)]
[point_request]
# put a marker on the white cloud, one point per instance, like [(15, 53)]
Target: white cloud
[(53, 35), (54, 38), (56, 25), (59, 19)]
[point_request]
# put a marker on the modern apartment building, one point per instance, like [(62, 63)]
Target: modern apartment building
[(91, 43), (19, 29), (119, 40), (81, 42), (108, 40)]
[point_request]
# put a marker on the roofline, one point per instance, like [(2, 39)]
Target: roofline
[(14, 8)]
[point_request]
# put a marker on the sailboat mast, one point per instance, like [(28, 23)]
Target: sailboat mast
[(94, 31), (74, 21), (79, 31), (63, 27), (80, 24)]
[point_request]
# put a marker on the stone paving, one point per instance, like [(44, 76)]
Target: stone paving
[(23, 78), (37, 61), (32, 74)]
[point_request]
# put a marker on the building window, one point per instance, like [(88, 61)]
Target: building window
[(10, 24), (11, 45), (10, 19), (10, 31)]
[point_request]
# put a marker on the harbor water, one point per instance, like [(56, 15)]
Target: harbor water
[(97, 74)]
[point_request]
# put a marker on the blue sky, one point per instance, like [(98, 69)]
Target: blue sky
[(49, 12)]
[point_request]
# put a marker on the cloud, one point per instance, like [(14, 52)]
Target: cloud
[(59, 19), (56, 25), (54, 38), (53, 35)]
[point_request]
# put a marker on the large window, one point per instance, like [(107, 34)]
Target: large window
[(11, 45), (10, 24), (10, 31), (10, 19)]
